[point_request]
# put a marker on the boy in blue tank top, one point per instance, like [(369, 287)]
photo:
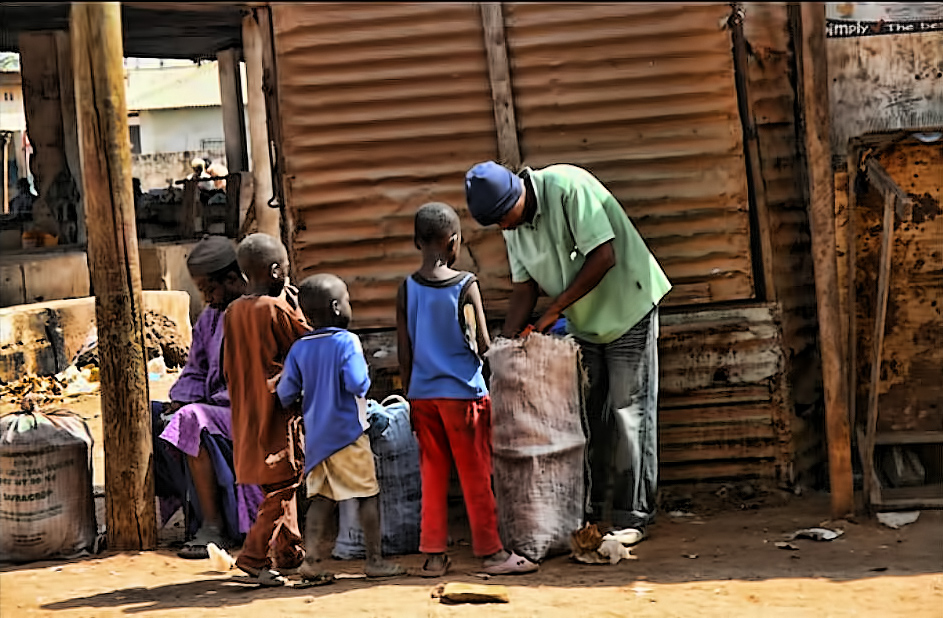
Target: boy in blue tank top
[(327, 369), (441, 337)]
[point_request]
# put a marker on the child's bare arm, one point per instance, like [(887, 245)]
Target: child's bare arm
[(289, 382), (481, 331), (404, 347)]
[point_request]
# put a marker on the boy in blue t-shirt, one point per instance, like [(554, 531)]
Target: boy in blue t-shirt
[(328, 370), (441, 335)]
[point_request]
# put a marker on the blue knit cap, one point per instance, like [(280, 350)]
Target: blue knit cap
[(491, 190)]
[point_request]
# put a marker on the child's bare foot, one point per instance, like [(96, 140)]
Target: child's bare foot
[(436, 565), (311, 572), (383, 568)]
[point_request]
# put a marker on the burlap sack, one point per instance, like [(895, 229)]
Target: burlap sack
[(539, 444)]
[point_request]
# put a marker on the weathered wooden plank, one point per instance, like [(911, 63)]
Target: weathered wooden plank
[(499, 74), (883, 182), (883, 83), (267, 219), (809, 26), (877, 353), (105, 152), (234, 118)]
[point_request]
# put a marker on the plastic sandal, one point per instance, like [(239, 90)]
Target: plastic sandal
[(514, 565)]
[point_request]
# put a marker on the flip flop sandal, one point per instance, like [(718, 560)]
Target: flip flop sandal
[(320, 579), (440, 572), (514, 565), (193, 551), (394, 570), (266, 578)]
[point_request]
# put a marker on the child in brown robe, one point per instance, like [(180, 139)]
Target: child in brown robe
[(259, 329)]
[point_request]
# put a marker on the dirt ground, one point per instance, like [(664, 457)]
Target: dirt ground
[(721, 562)]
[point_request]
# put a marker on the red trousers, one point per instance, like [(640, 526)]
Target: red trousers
[(456, 430), (275, 527)]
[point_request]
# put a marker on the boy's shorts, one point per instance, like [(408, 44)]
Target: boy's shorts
[(348, 473)]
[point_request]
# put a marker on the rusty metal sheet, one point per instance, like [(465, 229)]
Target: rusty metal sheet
[(384, 107), (643, 96), (772, 100), (723, 412), (912, 367)]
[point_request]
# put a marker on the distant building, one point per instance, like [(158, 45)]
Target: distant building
[(173, 106)]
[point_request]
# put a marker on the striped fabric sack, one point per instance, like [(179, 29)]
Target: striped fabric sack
[(396, 454)]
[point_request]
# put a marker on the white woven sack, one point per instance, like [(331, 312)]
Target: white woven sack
[(539, 444)]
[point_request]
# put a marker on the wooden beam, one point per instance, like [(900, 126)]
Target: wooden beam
[(267, 219), (883, 182), (234, 118), (499, 74), (808, 21), (877, 341), (761, 228), (40, 76), (105, 153), (851, 296), (281, 179)]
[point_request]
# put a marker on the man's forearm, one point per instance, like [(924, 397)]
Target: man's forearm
[(599, 261)]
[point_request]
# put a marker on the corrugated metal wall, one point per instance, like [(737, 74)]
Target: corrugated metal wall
[(643, 96), (383, 108)]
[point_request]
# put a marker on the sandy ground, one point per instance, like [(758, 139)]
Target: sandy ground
[(723, 562)]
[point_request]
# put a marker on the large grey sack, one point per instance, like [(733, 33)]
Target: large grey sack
[(539, 444), (47, 507)]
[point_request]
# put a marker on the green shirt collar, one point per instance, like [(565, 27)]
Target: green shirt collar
[(527, 175)]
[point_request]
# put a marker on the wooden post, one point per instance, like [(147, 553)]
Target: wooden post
[(499, 74), (808, 21), (105, 151), (851, 296), (872, 488), (40, 75), (234, 119), (252, 46)]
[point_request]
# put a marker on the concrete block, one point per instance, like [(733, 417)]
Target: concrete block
[(55, 276), (12, 290), (42, 338)]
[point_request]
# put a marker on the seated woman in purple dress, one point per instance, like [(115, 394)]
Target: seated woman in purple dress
[(193, 439)]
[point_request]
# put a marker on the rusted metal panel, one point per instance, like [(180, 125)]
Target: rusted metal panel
[(912, 367), (771, 76), (384, 107), (723, 412), (643, 96), (884, 83), (766, 27)]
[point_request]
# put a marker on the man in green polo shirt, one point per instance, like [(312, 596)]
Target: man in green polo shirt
[(568, 236)]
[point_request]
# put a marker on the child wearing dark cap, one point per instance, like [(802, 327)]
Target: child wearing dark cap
[(259, 330), (442, 336), (327, 369)]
